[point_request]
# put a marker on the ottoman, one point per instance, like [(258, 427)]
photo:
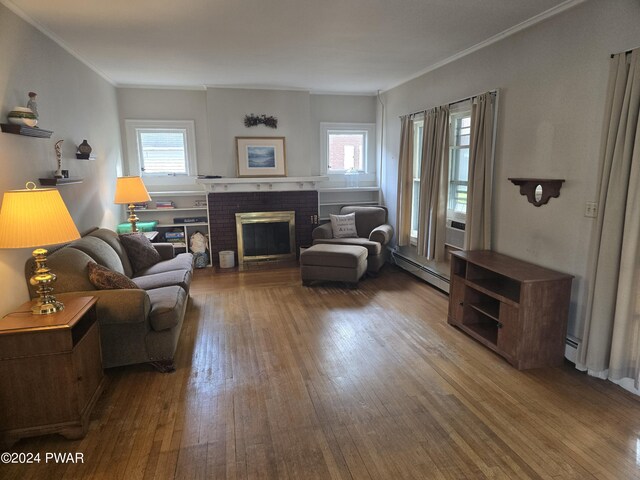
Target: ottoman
[(339, 263)]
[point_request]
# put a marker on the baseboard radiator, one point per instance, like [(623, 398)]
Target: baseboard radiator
[(420, 271)]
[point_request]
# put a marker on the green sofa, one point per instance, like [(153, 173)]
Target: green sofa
[(136, 325)]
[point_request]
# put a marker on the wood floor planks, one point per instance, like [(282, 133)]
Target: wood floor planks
[(279, 381)]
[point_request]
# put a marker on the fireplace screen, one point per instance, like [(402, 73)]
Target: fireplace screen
[(265, 236)]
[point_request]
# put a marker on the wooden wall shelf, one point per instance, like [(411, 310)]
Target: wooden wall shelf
[(550, 188), (52, 182), (26, 131)]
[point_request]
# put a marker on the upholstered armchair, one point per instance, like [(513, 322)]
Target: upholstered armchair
[(373, 233)]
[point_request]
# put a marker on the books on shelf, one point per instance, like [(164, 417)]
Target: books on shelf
[(167, 204), (190, 220), (174, 236), (140, 206), (200, 203)]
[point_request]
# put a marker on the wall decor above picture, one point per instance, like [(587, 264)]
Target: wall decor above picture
[(255, 120), (261, 157)]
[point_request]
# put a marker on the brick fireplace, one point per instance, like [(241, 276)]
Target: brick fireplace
[(224, 206)]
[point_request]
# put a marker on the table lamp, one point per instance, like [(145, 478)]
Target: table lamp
[(37, 217), (130, 190)]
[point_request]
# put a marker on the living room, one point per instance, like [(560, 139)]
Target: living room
[(550, 71)]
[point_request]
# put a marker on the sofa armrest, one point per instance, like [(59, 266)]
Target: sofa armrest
[(381, 234), (322, 232), (118, 306), (166, 250)]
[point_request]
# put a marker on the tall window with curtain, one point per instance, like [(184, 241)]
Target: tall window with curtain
[(447, 159), (610, 346)]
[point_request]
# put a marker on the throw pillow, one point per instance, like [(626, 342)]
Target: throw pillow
[(140, 251), (344, 226), (104, 279)]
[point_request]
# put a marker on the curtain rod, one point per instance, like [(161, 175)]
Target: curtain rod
[(625, 52), (495, 91)]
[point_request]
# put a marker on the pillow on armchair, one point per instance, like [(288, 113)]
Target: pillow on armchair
[(344, 226)]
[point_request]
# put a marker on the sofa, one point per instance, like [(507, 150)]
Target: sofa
[(140, 325), (374, 233)]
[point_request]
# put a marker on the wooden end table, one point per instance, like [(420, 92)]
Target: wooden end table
[(50, 371)]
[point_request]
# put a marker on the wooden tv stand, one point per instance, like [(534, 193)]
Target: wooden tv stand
[(517, 309)]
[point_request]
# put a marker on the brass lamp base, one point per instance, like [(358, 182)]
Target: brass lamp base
[(133, 218), (42, 279)]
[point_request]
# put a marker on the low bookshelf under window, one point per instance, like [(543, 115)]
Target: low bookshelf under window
[(517, 309)]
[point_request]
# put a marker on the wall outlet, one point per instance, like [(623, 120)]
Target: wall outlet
[(591, 209)]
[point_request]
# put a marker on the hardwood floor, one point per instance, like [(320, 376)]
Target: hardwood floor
[(279, 381)]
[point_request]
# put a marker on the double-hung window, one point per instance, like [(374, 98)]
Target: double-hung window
[(348, 148), (418, 127), (459, 137), (161, 151)]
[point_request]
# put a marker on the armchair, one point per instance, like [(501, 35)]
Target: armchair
[(373, 233)]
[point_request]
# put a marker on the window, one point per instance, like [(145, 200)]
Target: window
[(160, 150), (459, 136), (418, 127), (347, 148)]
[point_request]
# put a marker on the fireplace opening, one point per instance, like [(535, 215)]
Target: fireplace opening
[(264, 236)]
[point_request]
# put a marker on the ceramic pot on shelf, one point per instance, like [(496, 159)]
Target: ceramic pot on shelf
[(22, 116), (84, 150)]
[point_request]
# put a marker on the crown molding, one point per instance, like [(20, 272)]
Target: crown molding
[(42, 29), (491, 40)]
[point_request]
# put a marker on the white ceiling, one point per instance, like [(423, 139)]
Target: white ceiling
[(346, 46)]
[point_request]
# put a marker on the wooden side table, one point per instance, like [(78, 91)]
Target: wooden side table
[(50, 371)]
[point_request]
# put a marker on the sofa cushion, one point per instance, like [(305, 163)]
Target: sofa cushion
[(182, 261), (140, 251), (164, 279), (373, 248), (344, 226), (113, 239), (101, 252), (166, 307), (104, 279)]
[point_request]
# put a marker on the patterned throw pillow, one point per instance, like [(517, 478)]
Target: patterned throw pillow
[(140, 251), (344, 226), (104, 279)]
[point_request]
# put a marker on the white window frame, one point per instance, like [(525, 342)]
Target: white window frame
[(417, 122), (457, 111), (369, 150), (132, 127)]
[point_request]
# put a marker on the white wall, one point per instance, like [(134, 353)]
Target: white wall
[(227, 108), (552, 79), (219, 117), (168, 104), (76, 104)]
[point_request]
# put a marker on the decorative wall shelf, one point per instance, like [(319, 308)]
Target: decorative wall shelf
[(26, 131), (52, 182), (549, 187)]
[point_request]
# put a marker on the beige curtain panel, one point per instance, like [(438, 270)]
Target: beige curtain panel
[(478, 222), (610, 346), (434, 173), (405, 180)]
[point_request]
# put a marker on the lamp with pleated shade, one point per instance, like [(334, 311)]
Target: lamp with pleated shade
[(130, 190), (37, 217)]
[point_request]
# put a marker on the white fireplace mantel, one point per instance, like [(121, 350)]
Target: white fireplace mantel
[(255, 184)]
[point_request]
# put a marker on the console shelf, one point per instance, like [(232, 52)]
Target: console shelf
[(517, 309)]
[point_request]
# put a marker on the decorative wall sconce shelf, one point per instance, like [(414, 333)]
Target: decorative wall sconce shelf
[(52, 182), (538, 190), (26, 131), (82, 156)]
